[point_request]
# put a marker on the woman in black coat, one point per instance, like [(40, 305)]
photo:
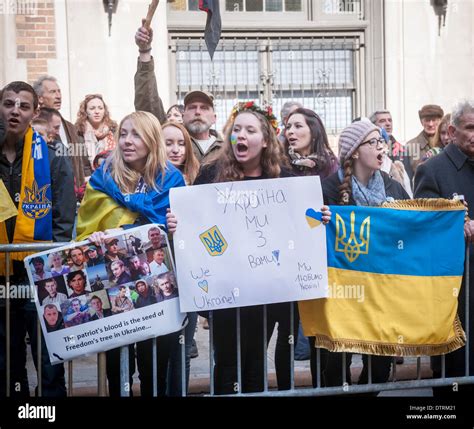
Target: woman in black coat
[(359, 182)]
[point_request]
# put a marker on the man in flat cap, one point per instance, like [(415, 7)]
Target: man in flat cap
[(430, 117)]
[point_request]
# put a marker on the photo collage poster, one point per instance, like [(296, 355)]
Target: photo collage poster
[(93, 297)]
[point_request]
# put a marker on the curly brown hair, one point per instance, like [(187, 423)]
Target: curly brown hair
[(82, 114), (272, 160)]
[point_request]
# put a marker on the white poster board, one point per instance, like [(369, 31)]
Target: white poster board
[(92, 298), (250, 242)]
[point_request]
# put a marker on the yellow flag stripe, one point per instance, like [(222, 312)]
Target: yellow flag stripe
[(378, 308), (99, 212)]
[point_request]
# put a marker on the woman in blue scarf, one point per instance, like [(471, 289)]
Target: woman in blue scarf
[(131, 187)]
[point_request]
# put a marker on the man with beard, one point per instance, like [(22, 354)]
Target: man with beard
[(78, 259), (199, 115)]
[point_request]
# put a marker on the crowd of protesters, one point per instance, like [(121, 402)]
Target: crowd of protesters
[(181, 148)]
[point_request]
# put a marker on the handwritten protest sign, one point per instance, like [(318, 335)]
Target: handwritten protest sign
[(251, 242), (91, 297)]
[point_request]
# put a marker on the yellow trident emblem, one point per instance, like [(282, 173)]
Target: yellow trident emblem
[(214, 241), (351, 247)]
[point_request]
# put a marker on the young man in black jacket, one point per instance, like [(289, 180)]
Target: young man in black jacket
[(18, 106)]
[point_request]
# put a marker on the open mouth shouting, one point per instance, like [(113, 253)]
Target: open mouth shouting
[(380, 157), (13, 122), (241, 148)]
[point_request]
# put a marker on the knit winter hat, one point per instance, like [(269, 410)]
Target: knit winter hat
[(353, 136)]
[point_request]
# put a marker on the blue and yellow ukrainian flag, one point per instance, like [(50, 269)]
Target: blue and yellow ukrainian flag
[(395, 273), (104, 205)]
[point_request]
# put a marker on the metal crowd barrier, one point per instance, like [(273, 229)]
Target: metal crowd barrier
[(7, 249), (339, 390), (316, 391)]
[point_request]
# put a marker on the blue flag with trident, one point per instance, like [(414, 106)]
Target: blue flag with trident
[(395, 273)]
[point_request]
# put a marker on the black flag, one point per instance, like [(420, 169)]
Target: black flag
[(212, 32)]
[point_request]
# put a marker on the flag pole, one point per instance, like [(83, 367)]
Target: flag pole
[(151, 11)]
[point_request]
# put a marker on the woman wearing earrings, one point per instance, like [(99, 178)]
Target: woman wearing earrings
[(360, 182), (251, 151)]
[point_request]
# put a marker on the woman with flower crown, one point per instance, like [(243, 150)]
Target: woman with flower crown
[(251, 151)]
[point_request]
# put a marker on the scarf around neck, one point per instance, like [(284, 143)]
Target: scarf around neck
[(372, 195), (34, 221), (301, 161)]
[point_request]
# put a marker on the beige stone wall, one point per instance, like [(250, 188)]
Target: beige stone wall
[(69, 40), (422, 66), (97, 63)]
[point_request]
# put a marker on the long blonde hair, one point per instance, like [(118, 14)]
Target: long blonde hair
[(149, 130), (273, 158), (190, 168)]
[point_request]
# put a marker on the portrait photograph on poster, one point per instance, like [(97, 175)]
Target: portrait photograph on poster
[(93, 297)]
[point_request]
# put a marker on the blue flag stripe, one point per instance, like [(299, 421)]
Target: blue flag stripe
[(434, 245), (43, 229)]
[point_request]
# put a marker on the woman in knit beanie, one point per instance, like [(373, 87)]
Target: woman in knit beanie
[(360, 182)]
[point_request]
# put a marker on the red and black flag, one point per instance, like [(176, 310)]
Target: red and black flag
[(212, 32)]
